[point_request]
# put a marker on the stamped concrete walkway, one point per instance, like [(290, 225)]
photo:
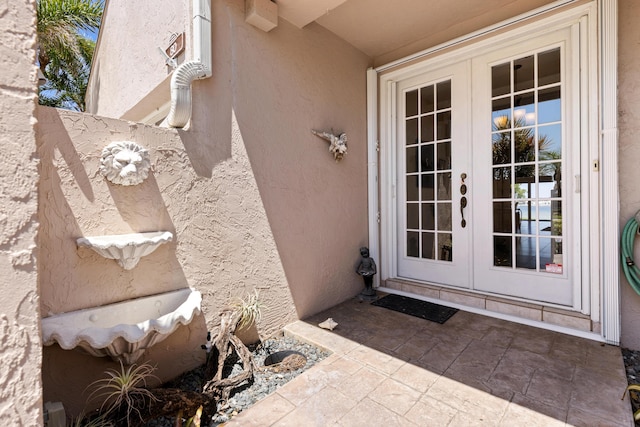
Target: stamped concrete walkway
[(390, 369)]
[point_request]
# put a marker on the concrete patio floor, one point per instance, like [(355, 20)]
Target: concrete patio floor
[(391, 369)]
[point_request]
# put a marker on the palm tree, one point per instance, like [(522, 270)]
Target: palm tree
[(64, 55)]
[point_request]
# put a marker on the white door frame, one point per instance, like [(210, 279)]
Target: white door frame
[(602, 237)]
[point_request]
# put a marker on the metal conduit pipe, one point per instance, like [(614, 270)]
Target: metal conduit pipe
[(198, 68)]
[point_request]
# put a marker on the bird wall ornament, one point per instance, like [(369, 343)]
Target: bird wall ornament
[(337, 143)]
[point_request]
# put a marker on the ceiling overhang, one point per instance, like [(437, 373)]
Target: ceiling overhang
[(303, 12)]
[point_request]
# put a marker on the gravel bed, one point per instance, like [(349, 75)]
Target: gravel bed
[(264, 383)]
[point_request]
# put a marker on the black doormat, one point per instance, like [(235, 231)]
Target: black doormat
[(422, 309)]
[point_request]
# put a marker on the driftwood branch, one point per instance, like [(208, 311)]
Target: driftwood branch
[(171, 401)]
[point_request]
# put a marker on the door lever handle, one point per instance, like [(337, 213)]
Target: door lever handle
[(463, 199), (463, 204)]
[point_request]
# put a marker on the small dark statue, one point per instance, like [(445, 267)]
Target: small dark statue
[(367, 269)]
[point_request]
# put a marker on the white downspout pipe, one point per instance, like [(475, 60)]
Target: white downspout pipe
[(198, 68)]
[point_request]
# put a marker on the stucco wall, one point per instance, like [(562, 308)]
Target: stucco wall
[(222, 247), (629, 153), (20, 351), (269, 90), (132, 50)]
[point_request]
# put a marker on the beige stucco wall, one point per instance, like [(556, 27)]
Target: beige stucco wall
[(20, 345), (132, 50), (278, 86), (629, 153), (254, 199)]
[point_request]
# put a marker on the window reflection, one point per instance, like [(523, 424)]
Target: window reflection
[(527, 157)]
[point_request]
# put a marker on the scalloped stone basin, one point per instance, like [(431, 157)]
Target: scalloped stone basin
[(123, 330), (126, 249)]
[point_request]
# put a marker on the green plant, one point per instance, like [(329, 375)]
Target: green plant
[(248, 310), (82, 421), (124, 390)]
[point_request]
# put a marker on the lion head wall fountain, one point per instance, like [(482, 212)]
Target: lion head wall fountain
[(124, 330)]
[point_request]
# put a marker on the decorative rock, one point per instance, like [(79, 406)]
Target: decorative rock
[(329, 324)]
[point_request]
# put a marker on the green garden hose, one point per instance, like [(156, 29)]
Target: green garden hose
[(631, 270)]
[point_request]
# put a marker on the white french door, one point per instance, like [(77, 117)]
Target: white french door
[(433, 154), (527, 170), (488, 171)]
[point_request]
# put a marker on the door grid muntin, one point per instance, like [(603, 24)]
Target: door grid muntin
[(428, 199)]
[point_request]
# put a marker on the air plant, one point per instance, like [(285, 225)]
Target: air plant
[(124, 389), (248, 310)]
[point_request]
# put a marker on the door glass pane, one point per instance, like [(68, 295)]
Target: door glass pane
[(501, 183), (501, 80), (501, 148), (551, 256), (549, 67), (549, 105), (444, 216), (527, 147), (412, 131), (502, 250), (501, 113), (444, 186), (412, 159), (412, 188), (413, 216), (526, 250), (428, 187), (444, 125), (444, 156), (428, 245), (428, 128), (444, 95), (413, 244), (550, 142), (426, 100), (427, 158), (411, 103), (524, 110), (444, 246), (550, 180), (502, 213), (523, 73), (428, 216), (428, 203)]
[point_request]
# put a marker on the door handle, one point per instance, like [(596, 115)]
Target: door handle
[(463, 199)]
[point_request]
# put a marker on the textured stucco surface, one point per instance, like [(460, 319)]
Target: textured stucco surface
[(629, 152), (269, 90), (222, 247), (133, 51), (20, 344)]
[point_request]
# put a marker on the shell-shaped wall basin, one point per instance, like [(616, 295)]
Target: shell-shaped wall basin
[(126, 249), (123, 330)]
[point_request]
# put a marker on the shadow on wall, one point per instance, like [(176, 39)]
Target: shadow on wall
[(208, 140), (75, 201)]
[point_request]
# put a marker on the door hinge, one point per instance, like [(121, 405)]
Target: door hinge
[(577, 187), (378, 217), (378, 146)]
